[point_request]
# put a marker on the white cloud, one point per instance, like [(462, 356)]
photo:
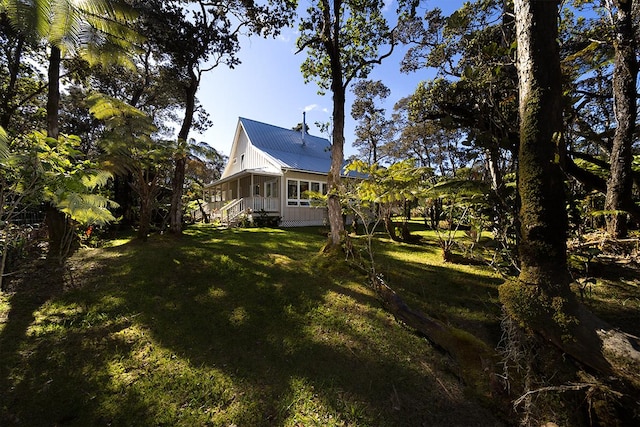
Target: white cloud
[(315, 107)]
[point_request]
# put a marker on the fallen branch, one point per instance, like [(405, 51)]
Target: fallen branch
[(560, 388), (476, 359)]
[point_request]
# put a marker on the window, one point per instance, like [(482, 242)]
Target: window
[(256, 190), (270, 189), (292, 192), (304, 193), (298, 191)]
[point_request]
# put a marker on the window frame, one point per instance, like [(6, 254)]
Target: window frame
[(300, 200)]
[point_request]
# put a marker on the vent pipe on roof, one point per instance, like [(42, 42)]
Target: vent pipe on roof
[(304, 125)]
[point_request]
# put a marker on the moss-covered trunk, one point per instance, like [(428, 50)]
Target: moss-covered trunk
[(620, 183), (541, 298), (543, 218)]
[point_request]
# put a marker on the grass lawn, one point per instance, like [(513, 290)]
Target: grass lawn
[(244, 327)]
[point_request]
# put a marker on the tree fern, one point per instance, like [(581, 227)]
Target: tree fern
[(64, 180)]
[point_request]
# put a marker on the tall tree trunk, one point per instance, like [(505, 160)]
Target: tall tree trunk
[(540, 180), (6, 108), (620, 183), (541, 297), (123, 196), (146, 188), (56, 221), (146, 209), (53, 96), (338, 89), (593, 181), (175, 211), (334, 207)]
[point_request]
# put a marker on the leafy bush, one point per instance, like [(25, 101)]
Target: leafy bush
[(263, 219)]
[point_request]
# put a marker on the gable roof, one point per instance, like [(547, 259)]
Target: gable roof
[(287, 148)]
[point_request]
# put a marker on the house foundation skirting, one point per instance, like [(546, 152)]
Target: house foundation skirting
[(302, 223)]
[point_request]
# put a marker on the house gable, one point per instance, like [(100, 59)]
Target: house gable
[(245, 156)]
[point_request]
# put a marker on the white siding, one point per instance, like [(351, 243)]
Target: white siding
[(244, 156), (301, 217), (298, 216)]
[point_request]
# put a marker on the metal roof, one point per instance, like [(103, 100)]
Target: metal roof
[(287, 146)]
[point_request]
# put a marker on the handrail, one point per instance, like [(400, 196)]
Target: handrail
[(233, 210)]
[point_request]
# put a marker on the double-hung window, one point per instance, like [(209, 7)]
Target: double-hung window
[(298, 191), (292, 192)]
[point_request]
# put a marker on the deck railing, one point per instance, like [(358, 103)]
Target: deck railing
[(268, 204), (229, 211)]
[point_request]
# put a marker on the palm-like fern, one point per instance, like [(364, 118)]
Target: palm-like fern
[(96, 30)]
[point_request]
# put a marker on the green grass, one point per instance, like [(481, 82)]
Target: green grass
[(246, 327)]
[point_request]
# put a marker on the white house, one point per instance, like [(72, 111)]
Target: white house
[(270, 170)]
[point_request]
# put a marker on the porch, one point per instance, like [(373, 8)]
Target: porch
[(230, 200), (229, 212)]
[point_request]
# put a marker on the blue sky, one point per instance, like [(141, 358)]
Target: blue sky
[(268, 86)]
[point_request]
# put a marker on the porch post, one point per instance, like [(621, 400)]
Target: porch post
[(283, 193), (252, 194)]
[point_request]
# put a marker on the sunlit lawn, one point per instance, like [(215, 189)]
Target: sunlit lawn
[(239, 327)]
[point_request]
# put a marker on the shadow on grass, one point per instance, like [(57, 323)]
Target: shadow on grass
[(225, 326), (28, 294), (463, 295)]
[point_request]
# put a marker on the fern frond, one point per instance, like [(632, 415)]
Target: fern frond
[(97, 30), (96, 179), (458, 187), (87, 209), (26, 18), (612, 212), (4, 144), (64, 23), (104, 107)]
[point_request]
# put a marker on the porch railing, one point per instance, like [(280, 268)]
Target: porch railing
[(268, 204), (228, 212)]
